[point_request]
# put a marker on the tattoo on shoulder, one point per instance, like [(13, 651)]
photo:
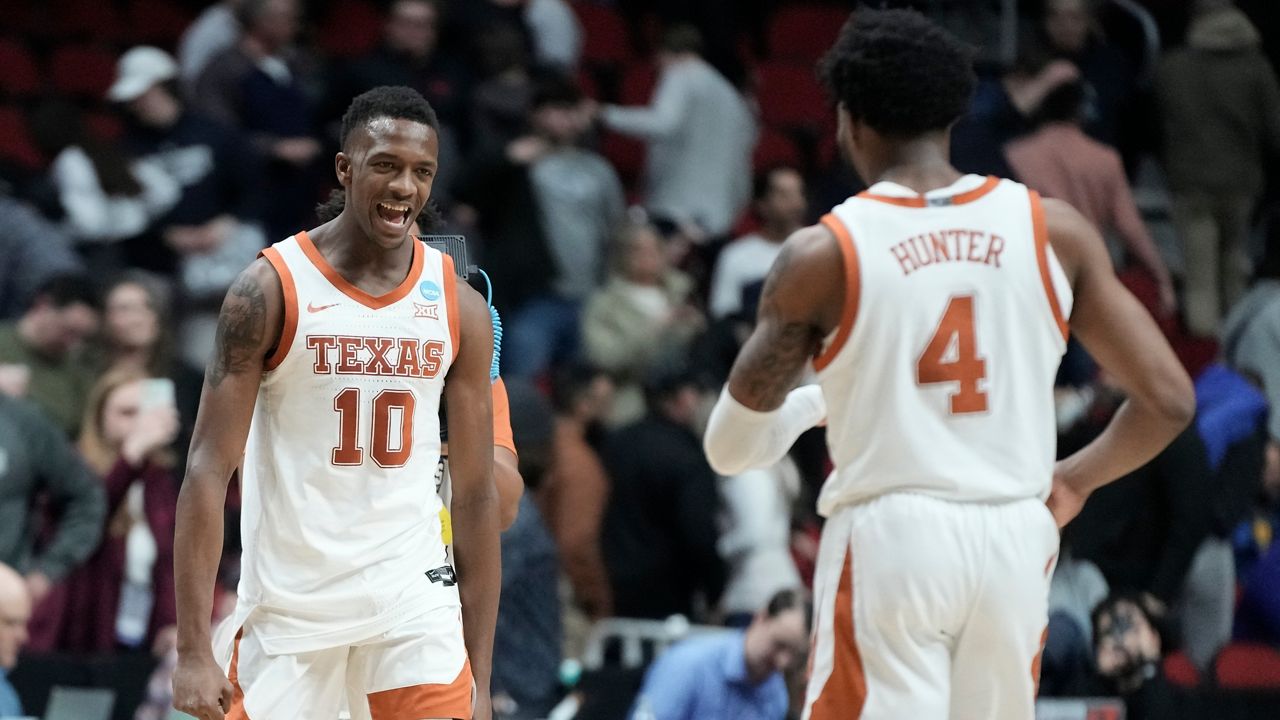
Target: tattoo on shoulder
[(240, 327), (778, 354), (778, 358)]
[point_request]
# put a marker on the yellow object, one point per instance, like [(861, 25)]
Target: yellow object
[(446, 526)]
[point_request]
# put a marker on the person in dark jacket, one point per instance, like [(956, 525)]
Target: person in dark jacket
[(659, 535), (1219, 103)]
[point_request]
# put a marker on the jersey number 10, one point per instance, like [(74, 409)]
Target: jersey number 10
[(385, 404), (963, 366)]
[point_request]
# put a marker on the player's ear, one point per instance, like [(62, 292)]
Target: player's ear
[(342, 168)]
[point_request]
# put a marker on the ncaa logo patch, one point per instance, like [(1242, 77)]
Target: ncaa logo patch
[(429, 290)]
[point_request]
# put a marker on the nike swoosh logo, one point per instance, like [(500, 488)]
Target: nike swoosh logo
[(312, 307)]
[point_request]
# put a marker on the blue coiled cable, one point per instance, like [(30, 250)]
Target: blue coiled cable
[(497, 328)]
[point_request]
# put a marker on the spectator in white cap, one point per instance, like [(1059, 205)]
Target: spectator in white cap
[(212, 231)]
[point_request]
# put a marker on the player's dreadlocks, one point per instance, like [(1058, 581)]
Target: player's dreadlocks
[(395, 102), (899, 73)]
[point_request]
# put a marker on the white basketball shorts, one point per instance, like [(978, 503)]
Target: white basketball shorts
[(930, 609)]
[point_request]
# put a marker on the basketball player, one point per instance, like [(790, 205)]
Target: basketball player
[(334, 351), (506, 464), (935, 308)]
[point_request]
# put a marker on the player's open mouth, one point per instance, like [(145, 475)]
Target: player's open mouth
[(394, 214)]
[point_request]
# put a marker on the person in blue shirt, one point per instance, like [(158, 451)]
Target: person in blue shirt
[(735, 675), (15, 611)]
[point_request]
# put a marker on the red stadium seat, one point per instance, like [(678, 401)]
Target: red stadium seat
[(19, 74), (775, 148), (94, 20), (803, 33), (157, 22), (637, 84), (605, 40), (15, 141), (16, 14), (82, 71), (790, 96), (103, 124), (1248, 666), (351, 28), (1179, 670), (587, 84), (1195, 353), (625, 154)]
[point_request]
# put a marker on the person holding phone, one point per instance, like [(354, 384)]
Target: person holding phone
[(136, 335), (122, 597)]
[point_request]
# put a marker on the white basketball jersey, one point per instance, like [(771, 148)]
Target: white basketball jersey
[(939, 378), (340, 516)]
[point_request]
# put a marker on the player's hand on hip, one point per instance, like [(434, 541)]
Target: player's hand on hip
[(1065, 502), (200, 688)]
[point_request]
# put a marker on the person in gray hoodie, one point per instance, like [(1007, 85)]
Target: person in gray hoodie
[(1220, 106)]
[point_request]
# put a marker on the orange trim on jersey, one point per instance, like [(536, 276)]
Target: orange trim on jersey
[(502, 435), (430, 700), (237, 711), (1041, 231), (355, 293), (919, 201), (845, 691), (451, 304), (852, 290), (1035, 662), (290, 327)]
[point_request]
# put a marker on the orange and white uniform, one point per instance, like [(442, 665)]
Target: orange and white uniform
[(932, 581), (341, 593), (502, 437)]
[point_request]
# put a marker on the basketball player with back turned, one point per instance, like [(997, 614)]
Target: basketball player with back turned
[(935, 308), (334, 352)]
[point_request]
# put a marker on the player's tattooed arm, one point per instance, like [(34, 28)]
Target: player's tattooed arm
[(800, 304), (248, 327), (241, 326)]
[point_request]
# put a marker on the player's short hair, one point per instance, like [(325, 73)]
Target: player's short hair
[(429, 220), (388, 101), (899, 73)]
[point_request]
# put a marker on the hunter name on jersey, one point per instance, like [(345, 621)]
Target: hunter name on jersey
[(955, 245)]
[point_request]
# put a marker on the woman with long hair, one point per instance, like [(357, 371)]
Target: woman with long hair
[(123, 596), (137, 336)]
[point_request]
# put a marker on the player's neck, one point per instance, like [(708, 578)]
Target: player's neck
[(921, 165), (345, 246)]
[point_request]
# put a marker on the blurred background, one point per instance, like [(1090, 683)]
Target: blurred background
[(625, 172)]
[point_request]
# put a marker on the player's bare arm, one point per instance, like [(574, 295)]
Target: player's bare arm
[(1121, 336), (475, 498), (759, 415), (248, 328)]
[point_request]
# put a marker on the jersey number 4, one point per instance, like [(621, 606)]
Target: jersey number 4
[(387, 451), (952, 357)]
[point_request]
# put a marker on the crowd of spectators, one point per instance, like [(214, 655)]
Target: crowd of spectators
[(626, 289)]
